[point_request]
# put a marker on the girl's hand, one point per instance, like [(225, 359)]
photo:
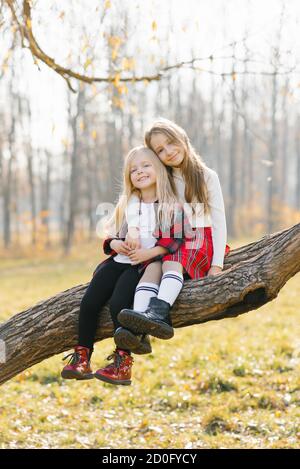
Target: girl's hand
[(133, 238), (140, 255), (119, 246), (214, 270)]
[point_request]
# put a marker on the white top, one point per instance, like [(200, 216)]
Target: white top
[(216, 218), (145, 221)]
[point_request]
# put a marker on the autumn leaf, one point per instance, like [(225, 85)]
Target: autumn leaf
[(87, 63), (117, 80), (128, 64), (122, 89), (118, 102), (114, 54), (154, 26)]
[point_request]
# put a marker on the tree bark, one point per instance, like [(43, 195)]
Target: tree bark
[(253, 275)]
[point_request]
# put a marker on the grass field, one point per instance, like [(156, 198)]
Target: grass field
[(233, 383)]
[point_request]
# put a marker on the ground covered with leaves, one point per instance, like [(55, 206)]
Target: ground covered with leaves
[(233, 383)]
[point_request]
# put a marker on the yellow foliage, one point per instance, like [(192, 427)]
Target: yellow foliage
[(114, 54), (122, 89), (115, 41), (117, 80), (44, 213), (118, 102), (87, 63), (154, 26), (128, 63), (94, 134)]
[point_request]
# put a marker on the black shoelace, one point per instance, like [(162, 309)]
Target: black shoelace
[(75, 357), (117, 359)]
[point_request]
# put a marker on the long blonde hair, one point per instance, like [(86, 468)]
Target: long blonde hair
[(192, 166), (165, 191)]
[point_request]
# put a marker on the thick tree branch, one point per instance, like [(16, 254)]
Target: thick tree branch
[(253, 275), (24, 25)]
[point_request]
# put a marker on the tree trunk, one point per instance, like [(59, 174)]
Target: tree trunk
[(253, 276), (233, 156)]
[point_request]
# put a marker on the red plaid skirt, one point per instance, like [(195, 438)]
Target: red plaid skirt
[(196, 254)]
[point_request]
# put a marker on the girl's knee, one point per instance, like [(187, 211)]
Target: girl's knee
[(172, 265), (153, 273)]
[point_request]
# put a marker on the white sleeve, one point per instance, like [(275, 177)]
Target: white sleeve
[(132, 211), (218, 219)]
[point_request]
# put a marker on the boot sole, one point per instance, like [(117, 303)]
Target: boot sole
[(143, 325), (125, 339), (112, 381), (68, 374)]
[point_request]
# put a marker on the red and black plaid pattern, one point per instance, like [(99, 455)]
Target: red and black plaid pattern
[(196, 254)]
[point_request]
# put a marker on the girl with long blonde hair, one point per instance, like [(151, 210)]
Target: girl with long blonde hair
[(198, 188)]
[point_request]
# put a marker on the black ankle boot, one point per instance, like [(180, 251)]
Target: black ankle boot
[(138, 344), (155, 320)]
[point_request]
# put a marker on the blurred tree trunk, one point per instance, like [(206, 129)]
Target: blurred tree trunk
[(89, 169), (233, 155), (273, 177), (74, 183), (297, 148), (284, 142), (220, 146), (24, 117), (45, 190), (7, 174)]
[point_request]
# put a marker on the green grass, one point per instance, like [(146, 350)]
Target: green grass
[(232, 383)]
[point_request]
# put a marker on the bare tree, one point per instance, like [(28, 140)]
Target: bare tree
[(297, 148), (74, 111), (233, 154)]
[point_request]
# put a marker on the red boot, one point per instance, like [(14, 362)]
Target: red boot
[(118, 372), (79, 364)]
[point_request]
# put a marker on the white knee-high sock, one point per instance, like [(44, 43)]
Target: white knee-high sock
[(144, 291), (170, 286)]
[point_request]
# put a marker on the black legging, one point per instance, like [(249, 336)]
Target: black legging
[(112, 280)]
